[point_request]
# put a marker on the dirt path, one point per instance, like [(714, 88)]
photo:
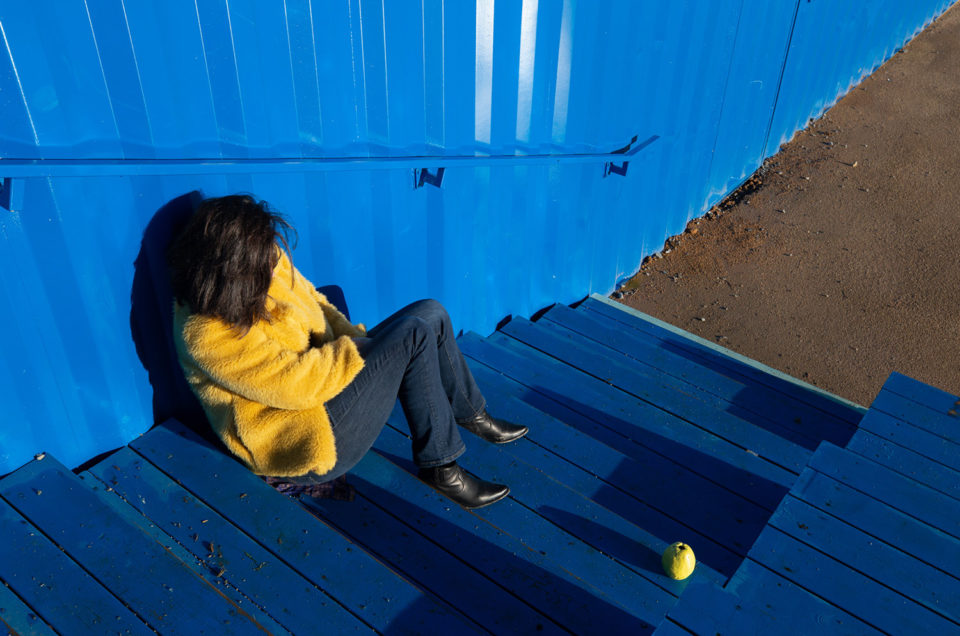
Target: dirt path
[(840, 263)]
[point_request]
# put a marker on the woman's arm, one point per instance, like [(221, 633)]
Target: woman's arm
[(338, 322), (259, 369)]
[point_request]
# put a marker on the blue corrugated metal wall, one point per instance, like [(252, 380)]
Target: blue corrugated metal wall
[(110, 109)]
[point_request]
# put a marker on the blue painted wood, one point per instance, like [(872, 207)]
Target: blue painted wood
[(921, 393), (703, 609), (705, 508), (129, 514), (919, 440), (906, 461), (899, 491), (632, 418), (939, 417), (41, 580), (669, 628), (840, 585), (874, 516), (221, 553), (417, 558), (568, 437), (330, 561), (164, 593), (18, 618), (589, 334), (541, 494), (881, 562), (621, 524), (771, 604), (748, 400), (540, 581), (777, 444), (714, 359)]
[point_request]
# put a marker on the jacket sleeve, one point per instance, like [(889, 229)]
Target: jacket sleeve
[(259, 369), (338, 322)]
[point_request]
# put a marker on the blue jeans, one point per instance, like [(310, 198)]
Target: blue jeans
[(413, 356)]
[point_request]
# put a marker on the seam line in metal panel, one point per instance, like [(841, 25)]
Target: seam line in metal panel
[(783, 69), (723, 100)]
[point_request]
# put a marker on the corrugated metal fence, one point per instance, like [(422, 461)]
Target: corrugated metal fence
[(341, 115)]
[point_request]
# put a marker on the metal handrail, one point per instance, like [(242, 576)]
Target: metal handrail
[(24, 168)]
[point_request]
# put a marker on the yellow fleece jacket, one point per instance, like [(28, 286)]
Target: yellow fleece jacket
[(264, 392)]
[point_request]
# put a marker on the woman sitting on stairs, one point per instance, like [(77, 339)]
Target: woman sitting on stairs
[(290, 385)]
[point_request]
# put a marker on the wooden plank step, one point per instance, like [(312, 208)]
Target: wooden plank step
[(52, 587), (898, 491), (539, 581), (430, 566), (836, 582), (758, 601), (724, 360), (884, 563), (165, 594), (551, 382), (627, 582), (776, 605), (148, 527), (934, 420), (363, 585), (669, 628), (878, 519), (907, 462), (246, 572), (931, 446), (748, 400), (16, 617), (615, 520), (935, 399), (775, 443), (664, 486)]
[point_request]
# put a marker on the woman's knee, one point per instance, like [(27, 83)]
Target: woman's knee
[(413, 327), (433, 313)]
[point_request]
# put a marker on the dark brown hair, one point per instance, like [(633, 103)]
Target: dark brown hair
[(221, 263)]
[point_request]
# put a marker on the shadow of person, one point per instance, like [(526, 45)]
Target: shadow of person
[(151, 318)]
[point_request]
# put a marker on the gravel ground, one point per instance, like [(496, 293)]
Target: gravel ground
[(837, 263)]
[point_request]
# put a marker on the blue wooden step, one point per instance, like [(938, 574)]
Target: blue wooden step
[(867, 539), (744, 398), (758, 601), (639, 589), (19, 618), (607, 509), (723, 360), (243, 569), (707, 511), (540, 579), (550, 382), (774, 442), (160, 591), (364, 586)]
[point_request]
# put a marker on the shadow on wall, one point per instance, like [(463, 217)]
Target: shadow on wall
[(151, 318)]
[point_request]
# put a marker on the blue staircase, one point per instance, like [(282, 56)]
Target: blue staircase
[(641, 435), (867, 541)]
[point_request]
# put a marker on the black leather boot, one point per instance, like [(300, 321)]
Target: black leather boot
[(462, 487), (492, 429)]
